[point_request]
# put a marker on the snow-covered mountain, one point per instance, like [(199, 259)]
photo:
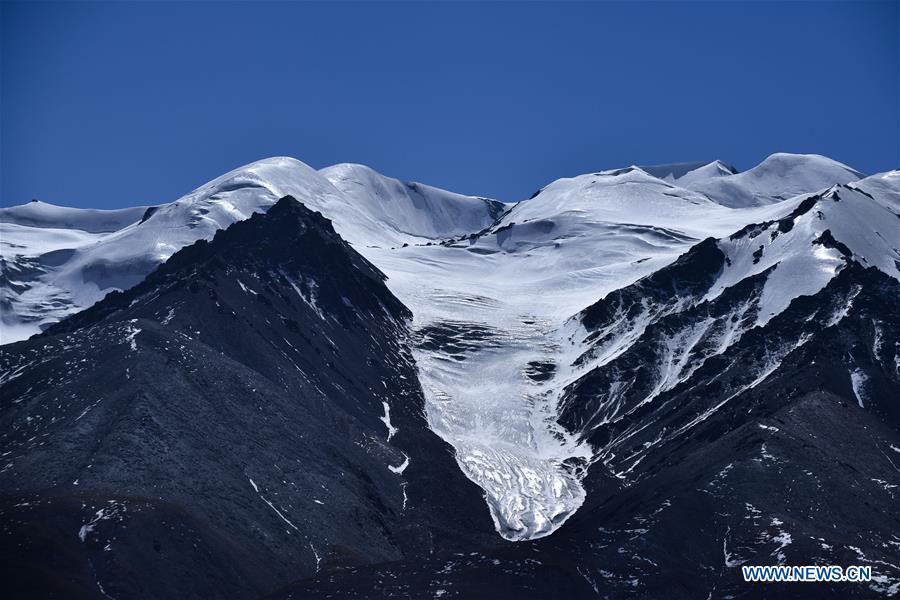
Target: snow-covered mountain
[(690, 170), (612, 361), (48, 216), (729, 288), (705, 172), (56, 261), (399, 212), (777, 178)]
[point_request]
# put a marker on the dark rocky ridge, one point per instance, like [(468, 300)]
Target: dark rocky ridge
[(216, 431)]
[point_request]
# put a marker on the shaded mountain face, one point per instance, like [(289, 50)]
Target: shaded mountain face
[(775, 444), (247, 415), (651, 338), (703, 367)]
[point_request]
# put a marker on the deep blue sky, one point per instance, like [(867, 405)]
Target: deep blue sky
[(132, 103)]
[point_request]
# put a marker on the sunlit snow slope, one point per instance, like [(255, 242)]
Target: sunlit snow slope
[(56, 260), (43, 214), (777, 178)]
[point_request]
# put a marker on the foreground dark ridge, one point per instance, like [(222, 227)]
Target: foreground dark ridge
[(246, 416)]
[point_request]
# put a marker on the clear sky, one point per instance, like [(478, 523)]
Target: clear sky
[(115, 104)]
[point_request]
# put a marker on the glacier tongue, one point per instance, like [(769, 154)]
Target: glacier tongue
[(496, 347), (492, 351), (501, 422)]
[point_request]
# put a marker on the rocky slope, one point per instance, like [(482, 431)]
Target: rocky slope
[(247, 415)]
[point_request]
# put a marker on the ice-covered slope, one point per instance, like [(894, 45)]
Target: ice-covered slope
[(809, 246), (495, 355), (42, 291), (28, 255), (46, 215), (883, 188), (406, 212), (678, 171), (36, 239), (41, 288), (622, 196), (689, 320), (708, 171), (777, 178)]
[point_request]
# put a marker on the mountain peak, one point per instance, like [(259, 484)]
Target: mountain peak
[(672, 171), (780, 176), (786, 162), (288, 238), (288, 206)]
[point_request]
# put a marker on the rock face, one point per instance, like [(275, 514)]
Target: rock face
[(247, 415)]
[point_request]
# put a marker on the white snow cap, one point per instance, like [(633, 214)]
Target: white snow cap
[(777, 178)]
